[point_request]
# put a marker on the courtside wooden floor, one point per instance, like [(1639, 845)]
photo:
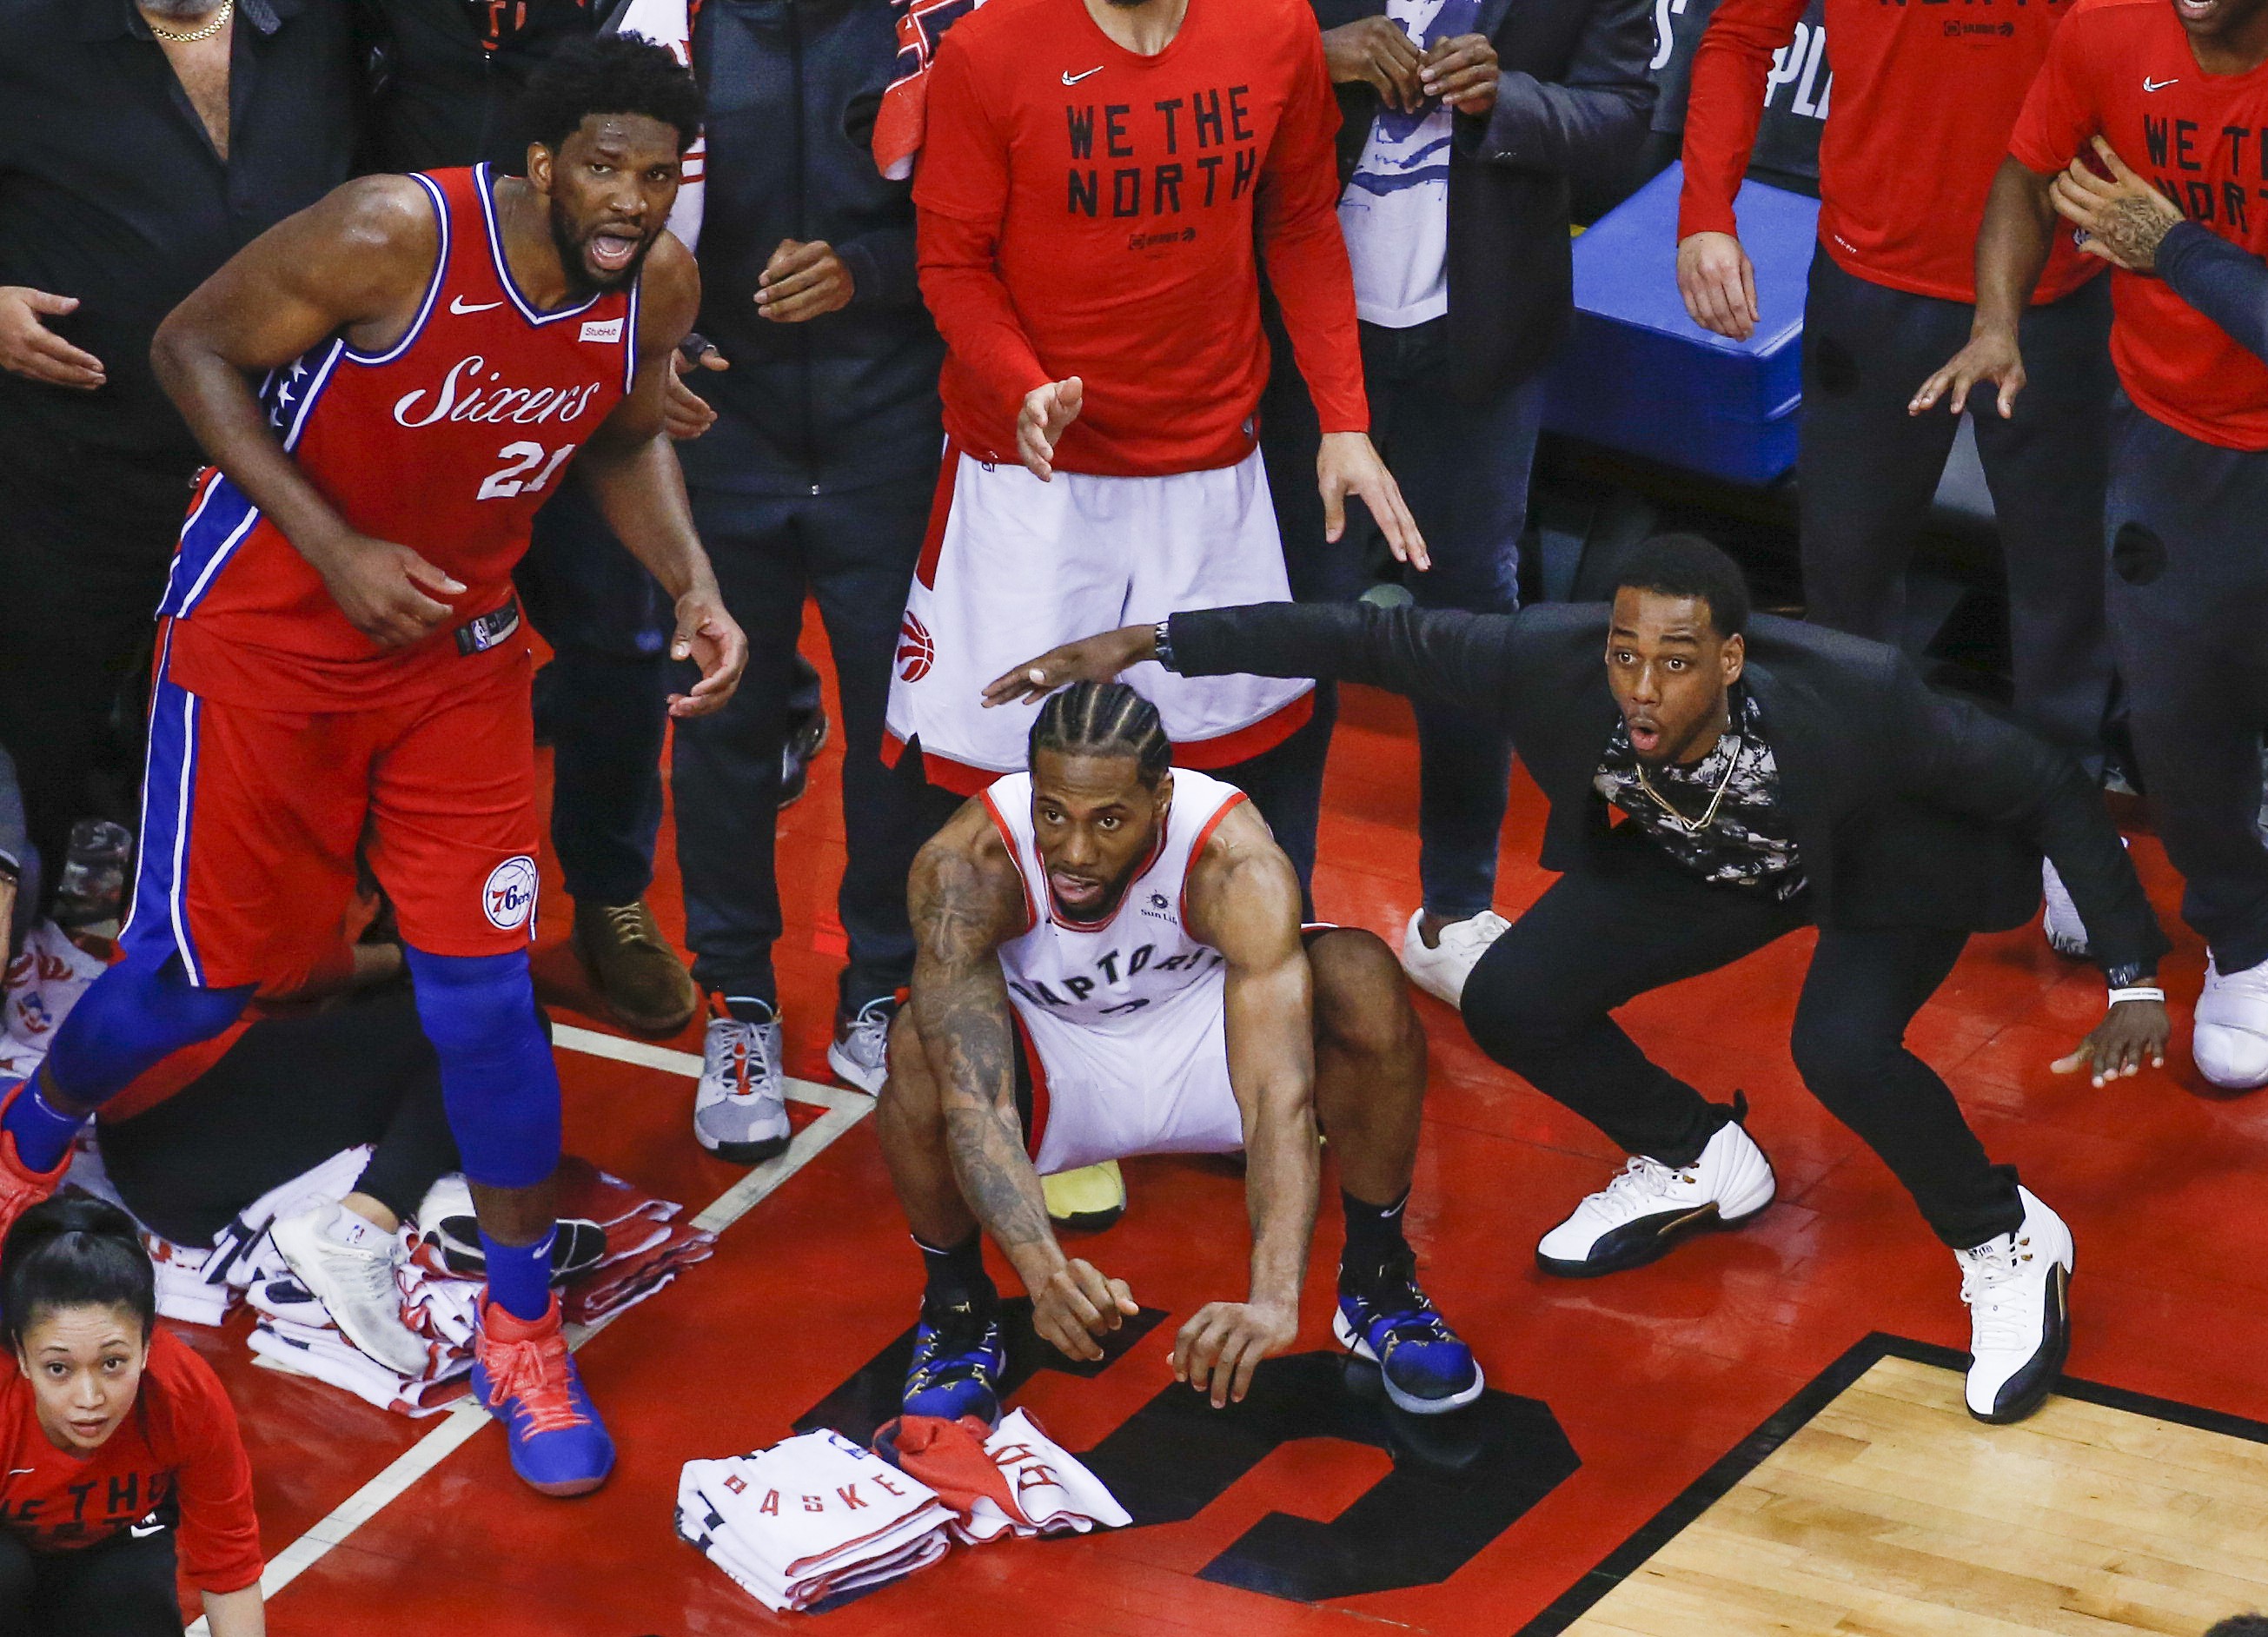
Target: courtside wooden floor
[(1867, 1504), (1890, 1512)]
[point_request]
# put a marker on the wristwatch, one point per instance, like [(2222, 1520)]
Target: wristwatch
[(1162, 640)]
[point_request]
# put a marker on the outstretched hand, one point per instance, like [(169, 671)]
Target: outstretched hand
[(1348, 464), (1047, 414), (1089, 659), (1224, 1342), (2133, 1030), (1991, 355)]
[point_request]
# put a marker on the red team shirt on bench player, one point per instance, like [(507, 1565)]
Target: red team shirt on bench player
[(2123, 68), (1122, 189)]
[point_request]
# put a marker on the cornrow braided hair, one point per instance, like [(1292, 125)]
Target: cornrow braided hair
[(1104, 718)]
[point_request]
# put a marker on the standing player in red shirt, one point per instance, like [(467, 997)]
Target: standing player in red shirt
[(339, 665), (2179, 87), (1086, 199), (1890, 296)]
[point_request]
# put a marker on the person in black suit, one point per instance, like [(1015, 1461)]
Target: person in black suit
[(1468, 129), (1719, 782)]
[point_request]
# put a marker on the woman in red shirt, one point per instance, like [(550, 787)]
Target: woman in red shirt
[(120, 1444)]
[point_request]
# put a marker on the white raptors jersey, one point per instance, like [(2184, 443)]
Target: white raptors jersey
[(1106, 977)]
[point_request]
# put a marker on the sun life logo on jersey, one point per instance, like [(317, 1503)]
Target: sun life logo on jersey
[(1161, 908), (916, 652), (509, 897)]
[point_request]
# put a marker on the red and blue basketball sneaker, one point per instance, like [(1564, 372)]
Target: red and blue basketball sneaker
[(958, 1361), (524, 1374), (20, 1186), (1385, 1317)]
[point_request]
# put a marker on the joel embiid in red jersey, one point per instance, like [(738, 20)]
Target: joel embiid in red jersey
[(341, 670)]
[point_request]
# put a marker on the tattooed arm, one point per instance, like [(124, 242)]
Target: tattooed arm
[(1244, 901), (966, 901), (2123, 216)]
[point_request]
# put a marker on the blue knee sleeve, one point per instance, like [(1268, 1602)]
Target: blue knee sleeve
[(132, 1018), (497, 1079)]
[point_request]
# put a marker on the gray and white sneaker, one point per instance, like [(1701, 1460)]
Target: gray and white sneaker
[(348, 1264), (2018, 1289), (740, 1108), (860, 1054), (1649, 1207)]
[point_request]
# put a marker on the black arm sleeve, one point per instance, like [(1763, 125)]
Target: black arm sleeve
[(1955, 756), (1462, 660), (2225, 281), (1588, 123)]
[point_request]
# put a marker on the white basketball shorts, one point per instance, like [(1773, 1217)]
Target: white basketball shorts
[(1013, 567), (1158, 1084)]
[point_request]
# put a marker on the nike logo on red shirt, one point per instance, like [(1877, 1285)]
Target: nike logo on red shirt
[(1071, 78), (2157, 85), (461, 306)]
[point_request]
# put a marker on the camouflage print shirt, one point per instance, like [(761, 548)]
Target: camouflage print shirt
[(1748, 844)]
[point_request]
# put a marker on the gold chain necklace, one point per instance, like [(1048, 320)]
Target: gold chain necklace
[(1694, 827), (178, 37)]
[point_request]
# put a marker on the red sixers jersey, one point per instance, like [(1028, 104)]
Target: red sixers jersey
[(447, 442)]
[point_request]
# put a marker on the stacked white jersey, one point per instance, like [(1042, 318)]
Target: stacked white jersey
[(1124, 1017), (810, 1519)]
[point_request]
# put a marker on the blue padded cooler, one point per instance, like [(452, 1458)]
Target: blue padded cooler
[(1639, 376)]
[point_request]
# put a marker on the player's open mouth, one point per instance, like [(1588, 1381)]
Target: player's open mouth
[(1645, 737), (2197, 11), (611, 253), (1074, 891), (91, 1430)]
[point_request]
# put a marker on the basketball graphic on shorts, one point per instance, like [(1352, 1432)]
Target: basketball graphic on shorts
[(916, 652), (509, 897)]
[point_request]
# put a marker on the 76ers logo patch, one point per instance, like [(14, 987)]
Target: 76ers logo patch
[(509, 898), (916, 652)]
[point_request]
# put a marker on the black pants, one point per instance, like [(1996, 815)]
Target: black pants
[(1867, 471), (86, 537), (290, 1093), (1539, 1004), (2188, 601), (124, 1587)]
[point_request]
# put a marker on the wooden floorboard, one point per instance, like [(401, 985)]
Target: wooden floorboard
[(1892, 1514)]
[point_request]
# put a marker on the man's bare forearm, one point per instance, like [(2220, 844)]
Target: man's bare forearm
[(641, 490), (1283, 1175), (971, 1043), (2011, 247)]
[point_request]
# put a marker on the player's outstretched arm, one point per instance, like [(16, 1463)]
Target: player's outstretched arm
[(2012, 252), (1244, 901), (965, 902), (357, 261), (631, 471)]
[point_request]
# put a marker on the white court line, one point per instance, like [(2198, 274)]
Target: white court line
[(845, 1109)]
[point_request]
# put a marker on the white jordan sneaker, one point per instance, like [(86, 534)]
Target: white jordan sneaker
[(348, 1264), (2066, 933), (1649, 1206), (1441, 970), (2229, 1035), (2018, 1289)]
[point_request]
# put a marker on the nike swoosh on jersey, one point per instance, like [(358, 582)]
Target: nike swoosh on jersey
[(141, 1531), (1070, 79), (2158, 84), (461, 306)]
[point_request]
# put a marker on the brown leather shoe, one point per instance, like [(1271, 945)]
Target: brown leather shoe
[(646, 986)]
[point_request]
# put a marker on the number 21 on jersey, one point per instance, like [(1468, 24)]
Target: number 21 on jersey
[(520, 460)]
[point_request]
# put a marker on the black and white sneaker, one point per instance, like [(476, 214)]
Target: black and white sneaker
[(2018, 1289), (1649, 1206), (446, 1215)]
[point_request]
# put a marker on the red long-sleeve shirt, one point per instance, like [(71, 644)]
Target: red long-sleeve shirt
[(1922, 102), (180, 1443), (1087, 210)]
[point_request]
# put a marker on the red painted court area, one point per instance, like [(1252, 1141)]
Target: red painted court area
[(1310, 1509)]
